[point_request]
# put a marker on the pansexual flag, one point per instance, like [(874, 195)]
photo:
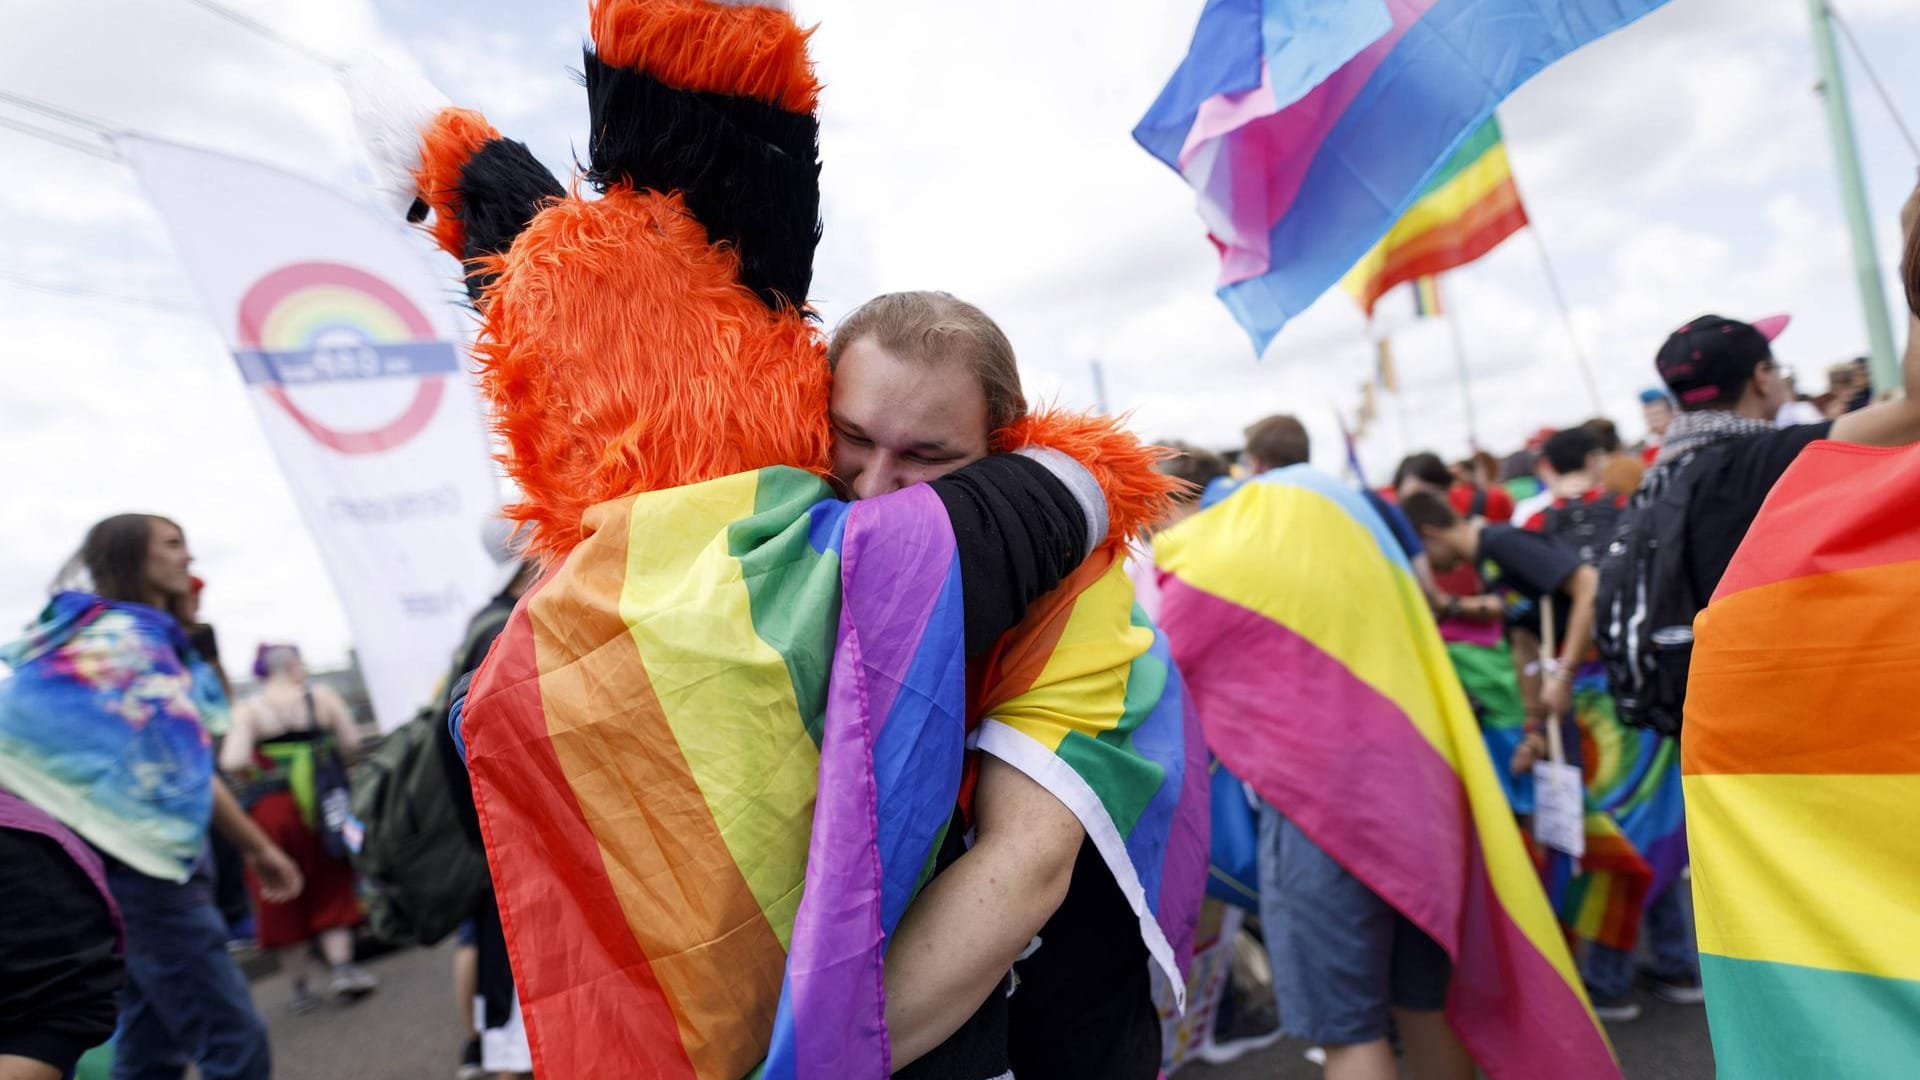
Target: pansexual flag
[(1297, 175), (1322, 681), (734, 689), (1802, 768), (1468, 207)]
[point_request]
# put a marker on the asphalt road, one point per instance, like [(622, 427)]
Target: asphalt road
[(406, 1032)]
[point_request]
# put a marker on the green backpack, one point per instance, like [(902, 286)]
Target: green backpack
[(419, 874)]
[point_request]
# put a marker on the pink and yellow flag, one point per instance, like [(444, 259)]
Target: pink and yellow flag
[(1322, 681)]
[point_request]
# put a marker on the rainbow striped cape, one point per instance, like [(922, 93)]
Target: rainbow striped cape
[(1322, 681), (1468, 206), (715, 749), (1802, 771)]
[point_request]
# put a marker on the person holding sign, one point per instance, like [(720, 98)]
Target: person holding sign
[(1524, 570)]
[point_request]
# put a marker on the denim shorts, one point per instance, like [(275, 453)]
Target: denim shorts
[(1342, 957)]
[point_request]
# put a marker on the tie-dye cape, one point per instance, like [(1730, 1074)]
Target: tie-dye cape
[(99, 728), (733, 689), (1321, 680), (1802, 771), (1635, 838)]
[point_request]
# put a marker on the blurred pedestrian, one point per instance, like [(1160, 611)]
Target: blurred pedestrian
[(60, 955), (291, 741), (99, 728)]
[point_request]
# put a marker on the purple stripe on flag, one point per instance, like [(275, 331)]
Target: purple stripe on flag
[(832, 1017)]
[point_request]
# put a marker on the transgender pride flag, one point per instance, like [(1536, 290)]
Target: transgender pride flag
[(1308, 127)]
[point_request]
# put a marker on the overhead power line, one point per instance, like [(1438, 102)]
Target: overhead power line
[(76, 145), (249, 22), (1873, 77)]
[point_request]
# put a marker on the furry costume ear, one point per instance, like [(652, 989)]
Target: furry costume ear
[(1138, 495), (483, 190), (713, 102)]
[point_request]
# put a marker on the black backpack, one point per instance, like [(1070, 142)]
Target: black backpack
[(1585, 527), (419, 874), (1644, 609)]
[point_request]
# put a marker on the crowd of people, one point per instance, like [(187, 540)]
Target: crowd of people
[(837, 710)]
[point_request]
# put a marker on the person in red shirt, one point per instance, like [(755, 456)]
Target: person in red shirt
[(1426, 472)]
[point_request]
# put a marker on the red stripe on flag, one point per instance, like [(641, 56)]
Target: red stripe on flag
[(574, 960), (1831, 511)]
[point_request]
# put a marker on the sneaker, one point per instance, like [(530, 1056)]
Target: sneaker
[(303, 1001), (1247, 1032), (1619, 1010), (1683, 990), (470, 1067), (352, 982)]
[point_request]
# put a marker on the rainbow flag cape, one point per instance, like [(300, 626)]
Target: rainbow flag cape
[(1321, 680), (1464, 211), (1802, 771), (1307, 129), (715, 749)]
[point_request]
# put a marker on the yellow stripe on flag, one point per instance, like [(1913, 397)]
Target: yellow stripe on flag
[(686, 605), (1084, 684), (1819, 871)]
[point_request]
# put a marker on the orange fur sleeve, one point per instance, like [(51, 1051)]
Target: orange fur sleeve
[(1138, 495)]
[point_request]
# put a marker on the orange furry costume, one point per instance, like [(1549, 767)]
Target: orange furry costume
[(646, 344)]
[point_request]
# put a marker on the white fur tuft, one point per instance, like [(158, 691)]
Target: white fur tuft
[(392, 108)]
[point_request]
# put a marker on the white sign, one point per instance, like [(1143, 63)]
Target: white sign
[(350, 349), (1559, 813)]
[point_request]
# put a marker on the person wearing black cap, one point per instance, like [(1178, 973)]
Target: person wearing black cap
[(1730, 389)]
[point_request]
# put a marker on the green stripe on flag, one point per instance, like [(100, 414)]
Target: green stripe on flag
[(1791, 1022), (793, 591), (1484, 138)]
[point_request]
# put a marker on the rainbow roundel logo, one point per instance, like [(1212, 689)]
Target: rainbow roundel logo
[(324, 324)]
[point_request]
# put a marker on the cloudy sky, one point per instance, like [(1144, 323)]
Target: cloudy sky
[(1678, 167)]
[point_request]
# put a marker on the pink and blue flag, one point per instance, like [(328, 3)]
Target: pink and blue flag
[(1307, 127)]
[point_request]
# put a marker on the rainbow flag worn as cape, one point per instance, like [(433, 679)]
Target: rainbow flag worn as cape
[(1467, 207), (1802, 769), (1322, 681), (1307, 128), (715, 749)]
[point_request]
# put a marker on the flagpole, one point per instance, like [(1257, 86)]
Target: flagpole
[(1846, 156), (1566, 320), (1099, 389), (1460, 366)]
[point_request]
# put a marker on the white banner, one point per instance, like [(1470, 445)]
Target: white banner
[(350, 350)]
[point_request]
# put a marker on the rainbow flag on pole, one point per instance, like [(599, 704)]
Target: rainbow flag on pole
[(1465, 210), (1322, 681), (1802, 768), (715, 749), (1306, 129)]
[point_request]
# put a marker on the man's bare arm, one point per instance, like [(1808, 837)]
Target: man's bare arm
[(959, 937)]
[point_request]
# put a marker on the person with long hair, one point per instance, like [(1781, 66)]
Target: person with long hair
[(101, 728), (291, 741)]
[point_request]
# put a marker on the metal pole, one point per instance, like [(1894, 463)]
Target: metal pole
[(1460, 366), (1566, 320), (1099, 389), (1853, 195)]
